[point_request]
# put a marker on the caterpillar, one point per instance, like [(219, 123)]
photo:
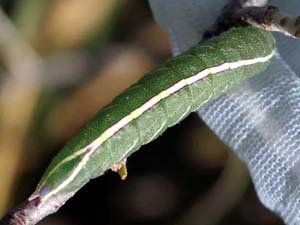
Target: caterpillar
[(161, 99)]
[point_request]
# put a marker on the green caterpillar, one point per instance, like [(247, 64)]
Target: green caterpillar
[(161, 99)]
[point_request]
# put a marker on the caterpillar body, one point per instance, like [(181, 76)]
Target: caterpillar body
[(161, 99)]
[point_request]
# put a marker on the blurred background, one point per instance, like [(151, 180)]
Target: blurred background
[(63, 60)]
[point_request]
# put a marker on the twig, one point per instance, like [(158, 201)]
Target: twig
[(230, 17), (254, 13), (272, 19)]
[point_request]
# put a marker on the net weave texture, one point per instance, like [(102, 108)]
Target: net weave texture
[(260, 119)]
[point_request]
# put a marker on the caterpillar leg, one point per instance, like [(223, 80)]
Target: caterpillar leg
[(120, 168)]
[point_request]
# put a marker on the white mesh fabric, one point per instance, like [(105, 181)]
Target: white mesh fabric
[(260, 119)]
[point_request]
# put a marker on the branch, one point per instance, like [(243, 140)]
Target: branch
[(272, 19), (254, 13)]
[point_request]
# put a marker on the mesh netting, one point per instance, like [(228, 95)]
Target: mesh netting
[(260, 119)]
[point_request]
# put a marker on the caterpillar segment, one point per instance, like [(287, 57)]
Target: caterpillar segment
[(161, 99)]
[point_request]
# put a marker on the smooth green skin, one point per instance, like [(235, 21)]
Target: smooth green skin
[(234, 45)]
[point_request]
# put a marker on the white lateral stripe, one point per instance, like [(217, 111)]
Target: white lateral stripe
[(67, 159), (199, 76), (146, 106), (219, 69), (236, 65)]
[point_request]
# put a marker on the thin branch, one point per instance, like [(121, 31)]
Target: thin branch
[(272, 19), (241, 12)]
